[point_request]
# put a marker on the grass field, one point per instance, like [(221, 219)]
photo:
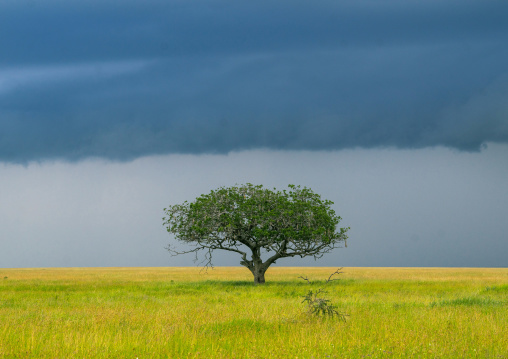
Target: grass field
[(180, 313)]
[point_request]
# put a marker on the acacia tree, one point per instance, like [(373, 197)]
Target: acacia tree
[(251, 220)]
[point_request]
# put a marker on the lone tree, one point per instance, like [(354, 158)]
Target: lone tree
[(251, 220)]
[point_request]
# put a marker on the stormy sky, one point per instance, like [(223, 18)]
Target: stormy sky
[(111, 110)]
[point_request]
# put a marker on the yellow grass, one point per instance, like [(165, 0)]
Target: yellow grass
[(180, 313)]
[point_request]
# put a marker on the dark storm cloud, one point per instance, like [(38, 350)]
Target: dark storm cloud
[(125, 79)]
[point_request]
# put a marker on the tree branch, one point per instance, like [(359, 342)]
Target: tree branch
[(331, 275)]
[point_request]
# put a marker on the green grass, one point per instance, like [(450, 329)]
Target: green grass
[(180, 313)]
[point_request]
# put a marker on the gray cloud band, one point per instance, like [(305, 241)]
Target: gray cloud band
[(224, 77)]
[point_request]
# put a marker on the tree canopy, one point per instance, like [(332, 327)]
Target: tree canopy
[(253, 221)]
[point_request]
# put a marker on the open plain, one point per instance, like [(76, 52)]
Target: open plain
[(186, 313)]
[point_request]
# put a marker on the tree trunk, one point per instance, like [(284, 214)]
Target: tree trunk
[(259, 270), (259, 276), (256, 266)]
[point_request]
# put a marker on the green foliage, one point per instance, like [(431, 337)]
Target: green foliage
[(257, 214), (249, 218)]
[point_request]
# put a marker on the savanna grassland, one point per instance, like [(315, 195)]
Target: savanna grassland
[(180, 313)]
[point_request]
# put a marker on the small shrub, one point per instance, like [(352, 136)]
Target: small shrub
[(320, 306)]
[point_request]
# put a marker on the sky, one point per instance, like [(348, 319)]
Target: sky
[(111, 111)]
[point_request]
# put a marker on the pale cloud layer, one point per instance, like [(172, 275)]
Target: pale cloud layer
[(433, 207), (26, 77)]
